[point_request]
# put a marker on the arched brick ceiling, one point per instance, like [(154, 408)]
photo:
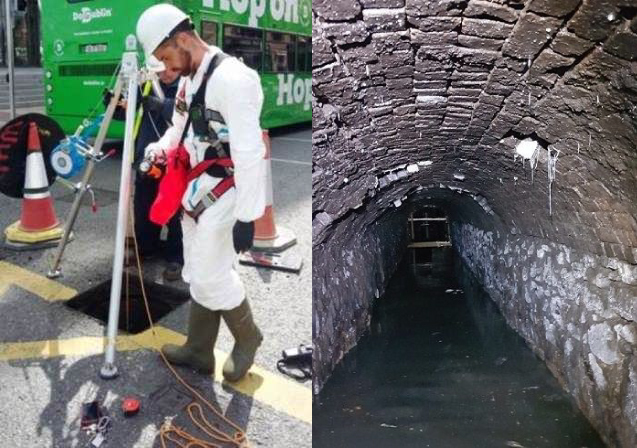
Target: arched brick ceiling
[(415, 96)]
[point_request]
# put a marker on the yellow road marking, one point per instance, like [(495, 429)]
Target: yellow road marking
[(264, 386), (261, 384), (34, 283)]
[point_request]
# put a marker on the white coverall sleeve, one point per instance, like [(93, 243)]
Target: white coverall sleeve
[(241, 109)]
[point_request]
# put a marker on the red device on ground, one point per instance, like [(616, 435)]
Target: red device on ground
[(130, 406)]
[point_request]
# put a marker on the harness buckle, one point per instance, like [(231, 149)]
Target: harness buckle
[(209, 198)]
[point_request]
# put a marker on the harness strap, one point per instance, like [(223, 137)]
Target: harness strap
[(225, 162), (199, 97), (223, 186), (214, 115), (211, 197)]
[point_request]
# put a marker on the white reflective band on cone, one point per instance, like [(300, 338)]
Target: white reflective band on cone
[(35, 176)]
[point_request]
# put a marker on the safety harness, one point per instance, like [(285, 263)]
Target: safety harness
[(217, 161)]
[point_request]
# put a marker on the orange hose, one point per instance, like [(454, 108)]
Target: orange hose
[(238, 439)]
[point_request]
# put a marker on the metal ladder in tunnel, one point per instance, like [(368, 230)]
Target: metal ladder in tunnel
[(428, 238)]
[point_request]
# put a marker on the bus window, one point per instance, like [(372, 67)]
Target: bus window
[(305, 54), (209, 32), (245, 44), (280, 52)]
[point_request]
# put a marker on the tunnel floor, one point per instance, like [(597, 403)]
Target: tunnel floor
[(440, 368)]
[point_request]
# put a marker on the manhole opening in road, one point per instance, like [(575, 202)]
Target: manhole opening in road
[(103, 198), (132, 312)]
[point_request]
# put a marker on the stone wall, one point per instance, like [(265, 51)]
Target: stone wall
[(417, 101), (349, 270), (577, 311)]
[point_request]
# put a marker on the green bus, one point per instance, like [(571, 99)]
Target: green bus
[(83, 41)]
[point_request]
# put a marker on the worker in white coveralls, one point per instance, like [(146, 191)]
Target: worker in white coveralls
[(217, 111)]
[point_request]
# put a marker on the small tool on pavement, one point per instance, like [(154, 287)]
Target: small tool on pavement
[(296, 362), (91, 413), (102, 428), (130, 406)]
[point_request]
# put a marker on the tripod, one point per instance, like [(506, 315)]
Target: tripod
[(128, 75)]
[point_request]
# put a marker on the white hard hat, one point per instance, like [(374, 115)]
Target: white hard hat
[(155, 65), (158, 23)]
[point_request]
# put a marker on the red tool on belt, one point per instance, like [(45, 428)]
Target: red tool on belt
[(172, 186), (175, 181)]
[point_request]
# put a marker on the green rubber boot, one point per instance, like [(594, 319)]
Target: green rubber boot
[(198, 351), (247, 339)]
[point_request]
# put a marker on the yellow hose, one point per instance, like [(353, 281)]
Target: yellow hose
[(140, 112)]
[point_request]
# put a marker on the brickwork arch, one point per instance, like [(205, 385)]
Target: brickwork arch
[(426, 102)]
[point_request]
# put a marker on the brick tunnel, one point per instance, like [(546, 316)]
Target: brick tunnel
[(519, 120)]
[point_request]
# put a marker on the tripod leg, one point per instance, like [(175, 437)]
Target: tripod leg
[(88, 173), (129, 72)]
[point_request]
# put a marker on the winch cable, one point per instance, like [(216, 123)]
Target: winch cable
[(238, 439), (127, 307), (110, 84)]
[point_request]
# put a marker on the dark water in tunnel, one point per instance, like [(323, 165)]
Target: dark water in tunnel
[(443, 370)]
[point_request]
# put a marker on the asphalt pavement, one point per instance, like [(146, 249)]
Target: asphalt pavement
[(50, 354)]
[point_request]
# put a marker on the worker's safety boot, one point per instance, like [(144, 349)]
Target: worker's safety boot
[(247, 339), (198, 351)]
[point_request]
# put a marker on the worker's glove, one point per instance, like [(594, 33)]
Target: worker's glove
[(106, 97), (155, 154), (120, 112), (242, 235), (152, 103)]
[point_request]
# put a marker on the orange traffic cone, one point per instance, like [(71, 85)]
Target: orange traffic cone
[(267, 236), (38, 226)]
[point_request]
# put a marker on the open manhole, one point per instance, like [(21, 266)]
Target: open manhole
[(132, 313)]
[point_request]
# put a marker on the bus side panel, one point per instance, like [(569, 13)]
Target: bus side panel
[(83, 42), (82, 45), (78, 97), (288, 99), (294, 16), (69, 124)]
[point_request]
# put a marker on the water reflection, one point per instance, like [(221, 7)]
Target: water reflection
[(440, 368)]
